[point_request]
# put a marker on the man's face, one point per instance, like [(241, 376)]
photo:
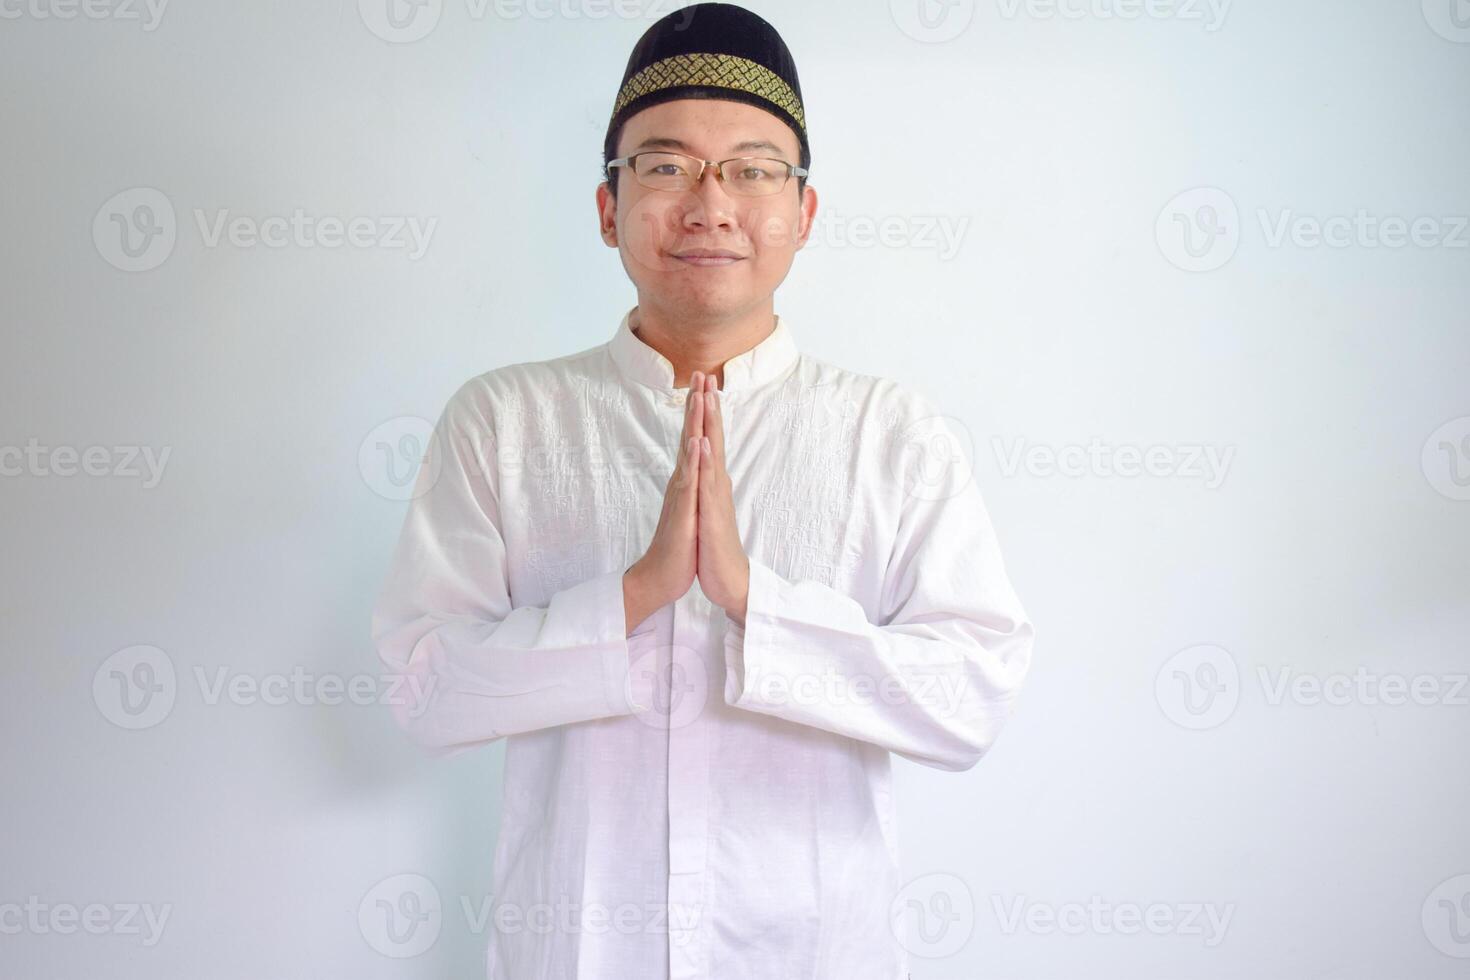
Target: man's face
[(655, 231)]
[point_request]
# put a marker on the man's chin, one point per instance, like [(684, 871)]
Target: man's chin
[(709, 304)]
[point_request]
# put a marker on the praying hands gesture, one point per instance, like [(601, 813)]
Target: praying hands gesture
[(696, 534)]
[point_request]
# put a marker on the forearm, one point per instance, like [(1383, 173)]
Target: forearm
[(936, 690)]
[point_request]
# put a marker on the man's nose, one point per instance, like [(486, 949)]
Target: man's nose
[(710, 203)]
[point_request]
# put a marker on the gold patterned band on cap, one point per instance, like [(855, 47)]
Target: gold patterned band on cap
[(718, 70)]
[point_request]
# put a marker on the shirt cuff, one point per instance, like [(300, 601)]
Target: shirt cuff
[(641, 669), (602, 597), (743, 649), (627, 658)]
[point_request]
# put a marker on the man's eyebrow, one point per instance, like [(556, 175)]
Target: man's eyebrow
[(666, 143), (757, 145)]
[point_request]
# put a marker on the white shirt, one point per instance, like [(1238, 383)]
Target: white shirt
[(696, 800)]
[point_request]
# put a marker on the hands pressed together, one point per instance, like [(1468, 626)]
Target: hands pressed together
[(696, 535)]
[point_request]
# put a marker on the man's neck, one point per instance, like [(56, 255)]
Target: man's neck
[(700, 345)]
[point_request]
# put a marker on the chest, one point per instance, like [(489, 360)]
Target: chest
[(583, 477)]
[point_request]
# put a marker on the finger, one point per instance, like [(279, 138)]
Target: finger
[(690, 398), (687, 502), (696, 420), (714, 424), (693, 425), (707, 482), (688, 481), (682, 460)]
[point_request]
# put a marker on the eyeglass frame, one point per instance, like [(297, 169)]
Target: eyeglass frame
[(792, 170)]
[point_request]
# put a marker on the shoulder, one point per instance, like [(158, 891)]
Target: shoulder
[(882, 400), (929, 452), (515, 388)]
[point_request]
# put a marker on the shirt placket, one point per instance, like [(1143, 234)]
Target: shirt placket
[(688, 688), (688, 790)]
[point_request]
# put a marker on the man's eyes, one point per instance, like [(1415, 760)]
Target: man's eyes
[(754, 173), (750, 173)]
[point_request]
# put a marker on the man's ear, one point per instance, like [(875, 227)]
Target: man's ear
[(808, 215), (607, 215)]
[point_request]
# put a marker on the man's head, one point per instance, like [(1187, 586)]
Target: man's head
[(712, 82)]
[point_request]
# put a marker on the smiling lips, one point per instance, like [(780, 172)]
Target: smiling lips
[(709, 256)]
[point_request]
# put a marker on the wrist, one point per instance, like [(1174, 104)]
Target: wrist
[(643, 593), (635, 597), (741, 606)]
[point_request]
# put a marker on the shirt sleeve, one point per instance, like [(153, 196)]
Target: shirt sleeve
[(935, 679), (466, 667)]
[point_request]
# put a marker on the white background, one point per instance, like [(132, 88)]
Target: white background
[(1152, 760)]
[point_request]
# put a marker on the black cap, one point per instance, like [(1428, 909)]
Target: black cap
[(711, 51)]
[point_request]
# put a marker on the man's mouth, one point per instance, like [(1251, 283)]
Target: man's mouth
[(709, 256)]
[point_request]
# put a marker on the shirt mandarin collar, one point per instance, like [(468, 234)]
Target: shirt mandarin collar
[(766, 361)]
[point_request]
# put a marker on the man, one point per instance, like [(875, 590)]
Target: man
[(702, 584)]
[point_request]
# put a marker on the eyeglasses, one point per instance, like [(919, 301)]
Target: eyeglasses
[(746, 176)]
